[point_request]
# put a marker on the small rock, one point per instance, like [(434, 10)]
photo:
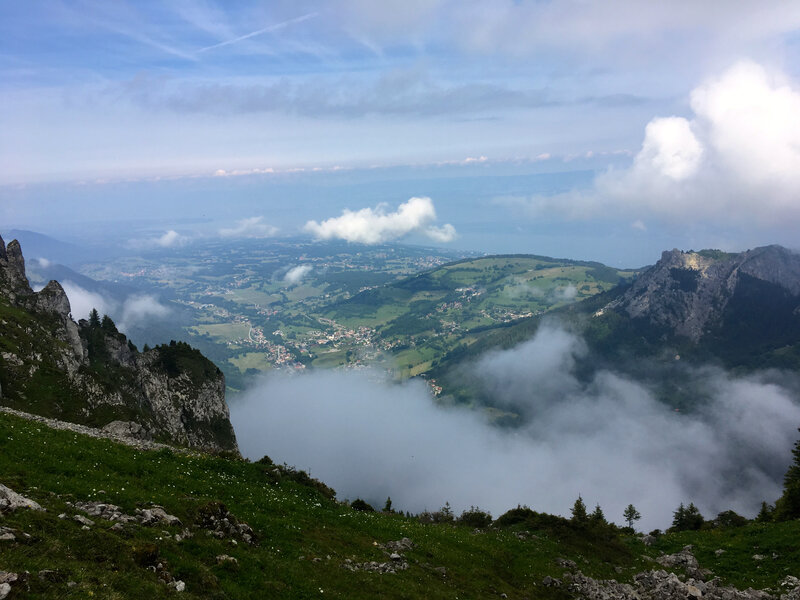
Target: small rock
[(440, 570), (395, 556), (117, 527), (649, 540), (5, 590), (83, 520), (224, 558), (7, 536), (790, 581), (719, 552), (551, 581), (758, 557), (693, 591)]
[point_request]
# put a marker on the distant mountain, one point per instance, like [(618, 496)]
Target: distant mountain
[(696, 294), (743, 309), (39, 245), (738, 310), (90, 373)]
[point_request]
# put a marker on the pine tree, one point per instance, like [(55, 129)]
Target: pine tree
[(388, 506), (597, 516), (765, 514), (788, 506), (108, 324), (687, 518), (631, 514), (94, 318), (579, 511)]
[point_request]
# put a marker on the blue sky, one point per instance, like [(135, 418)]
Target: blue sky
[(683, 114)]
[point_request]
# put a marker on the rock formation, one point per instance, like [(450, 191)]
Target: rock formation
[(688, 293), (90, 373)]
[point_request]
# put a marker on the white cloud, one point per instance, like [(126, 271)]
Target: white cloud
[(82, 301), (296, 274), (736, 161), (139, 308), (374, 226), (131, 312), (43, 262), (252, 227), (170, 239), (608, 439)]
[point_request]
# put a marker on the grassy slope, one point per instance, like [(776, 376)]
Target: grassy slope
[(295, 524)]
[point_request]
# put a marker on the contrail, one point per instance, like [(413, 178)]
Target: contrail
[(269, 29)]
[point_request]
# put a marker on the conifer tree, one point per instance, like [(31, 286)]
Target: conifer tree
[(631, 515), (597, 515), (579, 511), (94, 318), (788, 506)]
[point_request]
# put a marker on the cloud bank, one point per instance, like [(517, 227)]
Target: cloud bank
[(375, 225), (253, 227), (135, 310), (608, 440)]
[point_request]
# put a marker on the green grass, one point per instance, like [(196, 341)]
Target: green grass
[(295, 524), (250, 360)]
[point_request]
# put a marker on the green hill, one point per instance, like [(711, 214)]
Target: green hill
[(305, 543)]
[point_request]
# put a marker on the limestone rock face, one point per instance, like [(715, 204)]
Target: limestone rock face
[(687, 293), (89, 373)]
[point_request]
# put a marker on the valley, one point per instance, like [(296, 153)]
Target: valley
[(293, 305)]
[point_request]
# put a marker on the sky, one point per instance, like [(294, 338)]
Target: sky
[(607, 131)]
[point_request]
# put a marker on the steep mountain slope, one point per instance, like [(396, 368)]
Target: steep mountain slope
[(691, 308), (90, 373)]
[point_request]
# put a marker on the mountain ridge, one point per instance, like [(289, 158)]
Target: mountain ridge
[(90, 373)]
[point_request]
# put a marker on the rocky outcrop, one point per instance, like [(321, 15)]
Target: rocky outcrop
[(11, 501), (90, 373), (663, 585), (658, 585), (687, 293)]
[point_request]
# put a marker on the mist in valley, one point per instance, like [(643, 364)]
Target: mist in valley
[(607, 439)]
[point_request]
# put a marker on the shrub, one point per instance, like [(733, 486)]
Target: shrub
[(475, 518), (359, 504)]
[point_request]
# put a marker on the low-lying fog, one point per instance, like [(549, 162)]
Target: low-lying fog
[(609, 440)]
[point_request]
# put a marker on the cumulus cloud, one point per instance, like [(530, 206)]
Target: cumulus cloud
[(133, 311), (252, 227), (608, 439), (376, 225), (737, 159), (169, 239), (296, 274)]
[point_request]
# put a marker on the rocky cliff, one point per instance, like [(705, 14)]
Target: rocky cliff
[(89, 373), (696, 294)]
